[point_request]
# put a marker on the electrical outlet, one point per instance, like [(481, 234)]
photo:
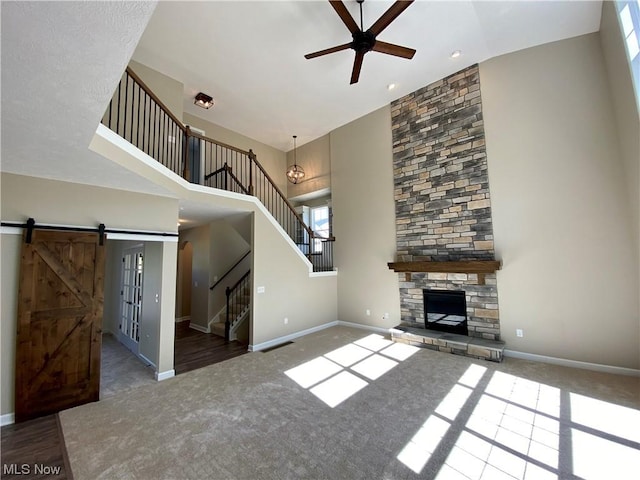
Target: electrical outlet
[(368, 312), (519, 332), (286, 320), (386, 316), (261, 289)]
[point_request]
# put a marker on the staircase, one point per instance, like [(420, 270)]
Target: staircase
[(139, 116), (238, 314)]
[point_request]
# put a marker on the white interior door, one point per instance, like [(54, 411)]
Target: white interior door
[(131, 297)]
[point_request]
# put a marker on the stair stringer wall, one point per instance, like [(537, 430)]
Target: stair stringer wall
[(291, 290)]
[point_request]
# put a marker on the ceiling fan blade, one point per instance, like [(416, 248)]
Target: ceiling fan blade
[(344, 14), (389, 16), (328, 51), (357, 65), (391, 49)]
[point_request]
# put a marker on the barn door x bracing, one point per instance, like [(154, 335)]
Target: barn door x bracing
[(59, 322)]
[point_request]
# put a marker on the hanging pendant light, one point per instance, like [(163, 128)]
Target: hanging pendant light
[(295, 173)]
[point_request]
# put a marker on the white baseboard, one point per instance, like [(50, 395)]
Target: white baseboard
[(362, 326), (183, 319), (291, 336), (165, 375), (302, 333), (573, 363), (7, 419), (199, 328)]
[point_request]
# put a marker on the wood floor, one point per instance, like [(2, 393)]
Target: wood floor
[(33, 449), (194, 349), (38, 443)]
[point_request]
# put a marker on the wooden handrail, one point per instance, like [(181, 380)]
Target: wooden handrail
[(164, 137), (190, 133), (293, 210), (220, 144), (229, 271), (235, 285), (154, 97)]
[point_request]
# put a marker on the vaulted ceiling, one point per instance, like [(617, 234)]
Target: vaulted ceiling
[(250, 55), (61, 62)]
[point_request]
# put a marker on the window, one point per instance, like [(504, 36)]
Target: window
[(320, 225), (629, 14)]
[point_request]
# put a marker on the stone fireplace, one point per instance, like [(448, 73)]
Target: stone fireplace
[(443, 204)]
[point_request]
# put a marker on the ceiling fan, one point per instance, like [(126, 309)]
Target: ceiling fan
[(365, 41)]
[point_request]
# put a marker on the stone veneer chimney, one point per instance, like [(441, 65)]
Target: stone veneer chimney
[(443, 207)]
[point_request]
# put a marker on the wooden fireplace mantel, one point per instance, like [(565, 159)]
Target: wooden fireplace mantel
[(480, 267)]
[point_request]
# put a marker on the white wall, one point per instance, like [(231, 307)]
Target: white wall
[(364, 220), (561, 216)]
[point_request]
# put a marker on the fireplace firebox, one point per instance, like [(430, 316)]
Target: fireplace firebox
[(445, 311)]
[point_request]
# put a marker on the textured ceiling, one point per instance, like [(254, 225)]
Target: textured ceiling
[(61, 62), (250, 55)]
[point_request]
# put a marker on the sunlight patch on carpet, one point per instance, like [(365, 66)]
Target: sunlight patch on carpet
[(343, 371)]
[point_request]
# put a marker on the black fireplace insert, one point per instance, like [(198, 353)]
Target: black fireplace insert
[(445, 311)]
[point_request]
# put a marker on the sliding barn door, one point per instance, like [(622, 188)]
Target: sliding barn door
[(59, 322)]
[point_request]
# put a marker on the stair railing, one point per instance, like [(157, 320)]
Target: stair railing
[(140, 117), (237, 302), (229, 271), (322, 256)]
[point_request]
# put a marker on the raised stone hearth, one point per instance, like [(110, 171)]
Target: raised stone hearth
[(449, 343), (443, 209)]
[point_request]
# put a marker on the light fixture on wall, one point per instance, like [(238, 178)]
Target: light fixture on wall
[(203, 100), (295, 173)]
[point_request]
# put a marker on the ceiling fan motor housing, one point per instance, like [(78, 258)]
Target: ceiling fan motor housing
[(363, 41)]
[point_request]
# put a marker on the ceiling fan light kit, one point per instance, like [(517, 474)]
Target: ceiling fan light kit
[(365, 41)]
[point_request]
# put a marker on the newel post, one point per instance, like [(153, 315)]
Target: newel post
[(185, 154), (252, 159)]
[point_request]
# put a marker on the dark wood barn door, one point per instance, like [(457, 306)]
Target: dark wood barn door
[(59, 322)]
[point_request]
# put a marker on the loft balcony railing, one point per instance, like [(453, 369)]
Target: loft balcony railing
[(140, 117)]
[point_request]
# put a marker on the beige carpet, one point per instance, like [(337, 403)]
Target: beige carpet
[(351, 406)]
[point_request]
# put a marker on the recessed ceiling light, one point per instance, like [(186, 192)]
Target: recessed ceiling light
[(391, 86), (456, 53)]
